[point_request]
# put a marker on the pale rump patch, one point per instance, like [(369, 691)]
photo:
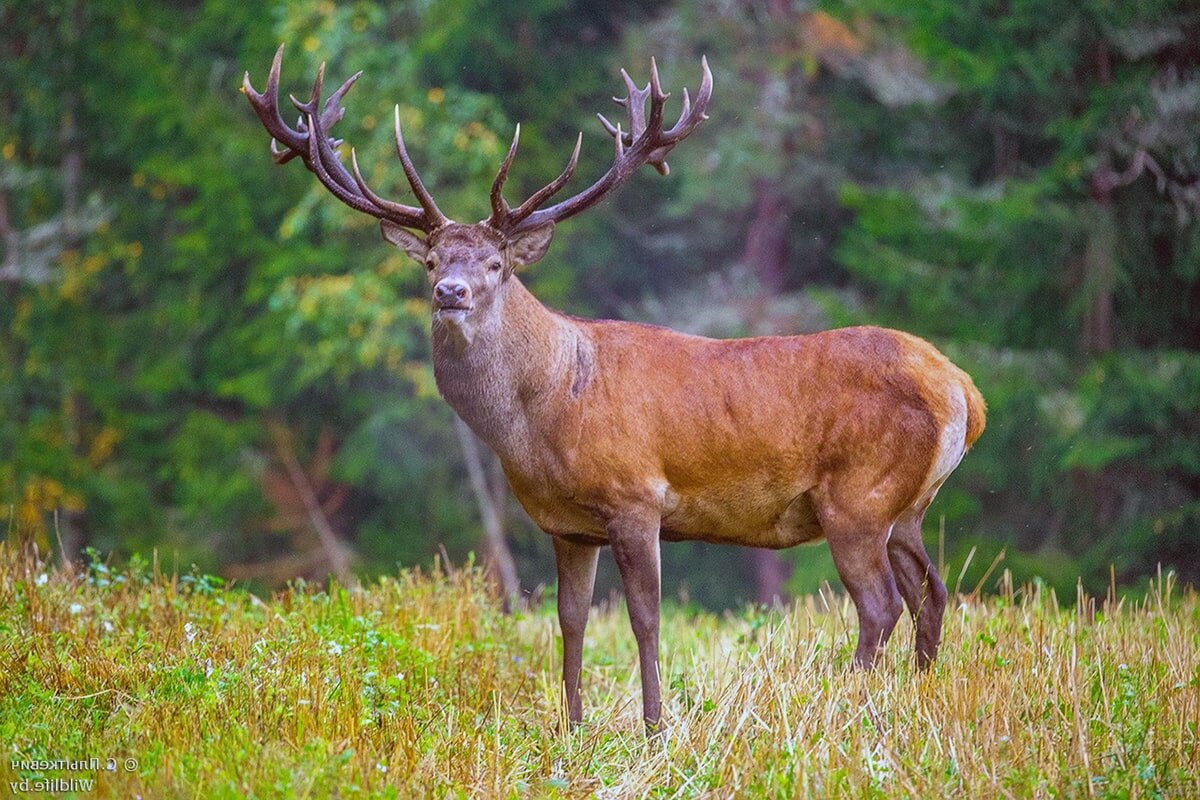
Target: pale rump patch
[(952, 441)]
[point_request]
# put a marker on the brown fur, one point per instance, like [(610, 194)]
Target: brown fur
[(976, 411), (721, 437)]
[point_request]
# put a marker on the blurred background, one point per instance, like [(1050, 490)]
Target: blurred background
[(206, 355)]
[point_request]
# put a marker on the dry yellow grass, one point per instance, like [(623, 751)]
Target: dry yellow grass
[(417, 686)]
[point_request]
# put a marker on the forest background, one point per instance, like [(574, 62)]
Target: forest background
[(204, 355)]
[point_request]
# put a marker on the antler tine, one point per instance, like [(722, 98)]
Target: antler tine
[(281, 156), (330, 115), (656, 90), (658, 101), (405, 215), (334, 112), (691, 117), (630, 86), (499, 207), (610, 128), (364, 199), (432, 213), (635, 106), (266, 106), (505, 219), (644, 143), (311, 142), (550, 189), (315, 125), (357, 202)]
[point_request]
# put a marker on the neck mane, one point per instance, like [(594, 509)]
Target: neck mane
[(510, 370)]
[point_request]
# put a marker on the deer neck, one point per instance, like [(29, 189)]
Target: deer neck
[(506, 374)]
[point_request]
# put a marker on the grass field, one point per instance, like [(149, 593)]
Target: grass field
[(417, 686)]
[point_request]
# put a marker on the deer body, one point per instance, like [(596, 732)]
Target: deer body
[(730, 441), (622, 435)]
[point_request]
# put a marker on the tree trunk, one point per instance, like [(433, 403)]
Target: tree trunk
[(337, 556), (770, 576), (1099, 278), (500, 562), (765, 251), (74, 524), (1099, 261), (10, 266)]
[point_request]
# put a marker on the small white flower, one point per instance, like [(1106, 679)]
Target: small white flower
[(335, 649), (75, 608), (189, 630), (208, 667), (108, 626), (42, 579), (381, 767)]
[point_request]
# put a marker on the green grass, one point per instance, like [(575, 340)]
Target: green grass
[(418, 686)]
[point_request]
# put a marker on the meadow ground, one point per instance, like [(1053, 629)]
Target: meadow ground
[(417, 686)]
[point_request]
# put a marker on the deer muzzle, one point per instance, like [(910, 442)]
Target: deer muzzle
[(451, 294)]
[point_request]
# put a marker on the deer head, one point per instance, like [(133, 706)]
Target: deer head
[(469, 265)]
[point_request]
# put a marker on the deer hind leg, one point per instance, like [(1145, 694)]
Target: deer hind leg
[(576, 579), (922, 588), (861, 557)]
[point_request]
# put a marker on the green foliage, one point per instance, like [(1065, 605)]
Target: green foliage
[(226, 291), (1017, 183)]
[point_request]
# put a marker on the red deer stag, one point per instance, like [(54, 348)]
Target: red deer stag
[(623, 434)]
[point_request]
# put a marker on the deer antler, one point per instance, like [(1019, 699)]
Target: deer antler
[(644, 143), (310, 141)]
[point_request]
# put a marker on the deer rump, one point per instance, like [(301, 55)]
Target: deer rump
[(745, 441)]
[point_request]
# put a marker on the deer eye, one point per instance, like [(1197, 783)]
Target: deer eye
[(494, 265)]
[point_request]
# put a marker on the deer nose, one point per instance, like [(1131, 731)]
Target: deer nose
[(452, 292)]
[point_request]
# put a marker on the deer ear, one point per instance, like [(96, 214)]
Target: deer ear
[(416, 247), (530, 246)]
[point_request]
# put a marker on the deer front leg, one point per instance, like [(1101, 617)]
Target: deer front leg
[(576, 578), (635, 547)]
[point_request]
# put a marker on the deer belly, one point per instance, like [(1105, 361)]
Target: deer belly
[(750, 516), (556, 513), (757, 512)]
